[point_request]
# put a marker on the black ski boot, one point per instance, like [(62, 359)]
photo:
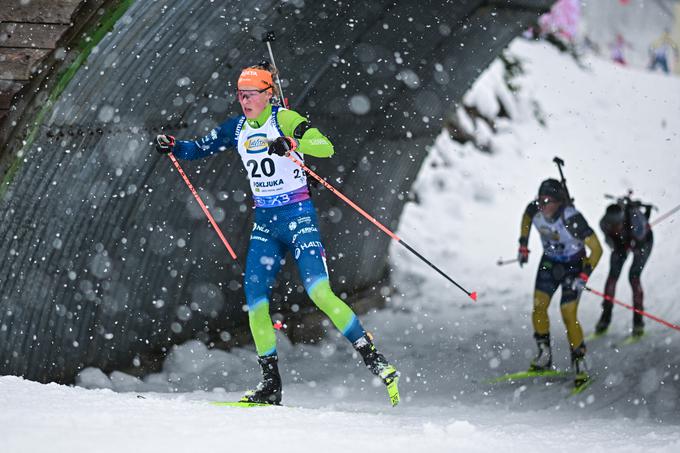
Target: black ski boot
[(379, 366), (543, 359), (578, 363), (606, 317), (638, 326), (269, 390)]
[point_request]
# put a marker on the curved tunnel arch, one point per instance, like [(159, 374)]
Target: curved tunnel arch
[(107, 257)]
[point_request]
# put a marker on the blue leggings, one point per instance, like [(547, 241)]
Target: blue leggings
[(275, 232)]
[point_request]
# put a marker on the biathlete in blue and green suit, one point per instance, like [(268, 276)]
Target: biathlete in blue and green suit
[(285, 220)]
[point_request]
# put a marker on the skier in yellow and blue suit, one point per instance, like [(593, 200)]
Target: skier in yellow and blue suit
[(285, 221), (565, 234)]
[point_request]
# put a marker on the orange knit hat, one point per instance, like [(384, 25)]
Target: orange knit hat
[(255, 78)]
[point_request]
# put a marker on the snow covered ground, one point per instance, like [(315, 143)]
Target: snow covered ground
[(616, 129)]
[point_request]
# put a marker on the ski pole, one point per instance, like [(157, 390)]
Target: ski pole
[(472, 295), (269, 38), (502, 262), (203, 206), (665, 216), (636, 310)]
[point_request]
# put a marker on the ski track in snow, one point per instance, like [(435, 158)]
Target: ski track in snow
[(615, 128), (74, 419)]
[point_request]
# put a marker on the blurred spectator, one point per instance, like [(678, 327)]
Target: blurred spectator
[(618, 49), (662, 50), (562, 20)]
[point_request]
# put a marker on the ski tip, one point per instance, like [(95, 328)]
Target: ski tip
[(473, 295), (595, 336), (632, 339), (581, 387), (393, 391)]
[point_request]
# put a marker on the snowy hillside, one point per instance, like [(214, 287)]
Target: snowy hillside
[(639, 22), (616, 129)]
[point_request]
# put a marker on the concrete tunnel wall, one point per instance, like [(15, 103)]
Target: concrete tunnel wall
[(107, 255)]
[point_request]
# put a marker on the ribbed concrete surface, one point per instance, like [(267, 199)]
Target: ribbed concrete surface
[(107, 255)]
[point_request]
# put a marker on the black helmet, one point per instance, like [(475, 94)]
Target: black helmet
[(552, 188), (614, 215)]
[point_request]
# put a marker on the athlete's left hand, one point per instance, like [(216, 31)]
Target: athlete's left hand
[(282, 146), (165, 143), (580, 282)]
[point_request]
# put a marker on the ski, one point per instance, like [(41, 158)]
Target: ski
[(536, 374), (595, 335), (393, 391), (580, 388), (529, 374), (631, 339), (241, 404)]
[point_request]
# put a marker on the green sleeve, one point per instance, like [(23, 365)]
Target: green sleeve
[(313, 142)]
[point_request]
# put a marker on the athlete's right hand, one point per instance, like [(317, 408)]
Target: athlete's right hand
[(165, 143), (580, 282), (522, 255), (282, 146)]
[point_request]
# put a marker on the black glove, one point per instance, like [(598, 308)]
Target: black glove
[(165, 143), (282, 146)]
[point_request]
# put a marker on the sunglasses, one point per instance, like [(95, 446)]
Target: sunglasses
[(546, 200), (244, 95)]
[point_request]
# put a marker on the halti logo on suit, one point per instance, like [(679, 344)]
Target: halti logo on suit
[(256, 143)]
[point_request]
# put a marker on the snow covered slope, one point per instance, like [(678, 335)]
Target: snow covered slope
[(61, 419), (616, 129), (639, 22)]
